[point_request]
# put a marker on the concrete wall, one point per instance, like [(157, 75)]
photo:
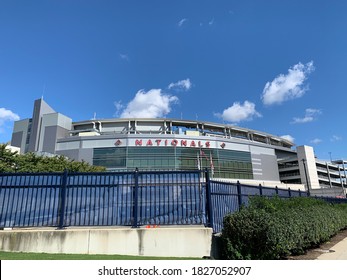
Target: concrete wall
[(308, 167), (329, 192), (40, 108), (166, 241), (53, 126), (269, 184), (264, 163), (19, 134)]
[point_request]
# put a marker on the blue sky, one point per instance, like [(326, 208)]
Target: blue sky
[(273, 66)]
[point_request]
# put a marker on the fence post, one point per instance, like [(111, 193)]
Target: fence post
[(136, 198), (209, 210), (239, 194), (299, 193), (260, 190), (62, 200)]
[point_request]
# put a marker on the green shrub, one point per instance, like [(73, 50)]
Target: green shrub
[(273, 228)]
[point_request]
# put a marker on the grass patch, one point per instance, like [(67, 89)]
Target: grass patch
[(45, 256)]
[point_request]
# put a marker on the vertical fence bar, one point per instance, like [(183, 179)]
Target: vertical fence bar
[(6, 200), (31, 186), (209, 210), (239, 194), (62, 200), (260, 190), (15, 203), (21, 204), (136, 198)]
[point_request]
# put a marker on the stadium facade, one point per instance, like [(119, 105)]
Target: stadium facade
[(230, 152)]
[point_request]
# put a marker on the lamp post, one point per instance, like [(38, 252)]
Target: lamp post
[(344, 171), (308, 187)]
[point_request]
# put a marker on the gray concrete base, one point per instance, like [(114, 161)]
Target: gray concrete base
[(163, 241)]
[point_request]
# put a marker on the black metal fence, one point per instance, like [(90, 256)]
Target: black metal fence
[(134, 199), (102, 199), (228, 197)]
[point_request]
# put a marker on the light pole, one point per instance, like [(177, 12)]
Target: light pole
[(308, 187)]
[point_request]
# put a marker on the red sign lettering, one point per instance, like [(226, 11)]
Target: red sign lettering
[(174, 142), (149, 143), (138, 142), (158, 142)]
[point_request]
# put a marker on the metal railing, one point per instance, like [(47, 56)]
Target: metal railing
[(138, 198), (102, 199), (229, 197)]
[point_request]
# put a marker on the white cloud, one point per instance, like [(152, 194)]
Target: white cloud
[(7, 115), (151, 104), (182, 21), (316, 141), (183, 84), (238, 112), (119, 107), (288, 137), (310, 116), (287, 87), (335, 138), (124, 56)]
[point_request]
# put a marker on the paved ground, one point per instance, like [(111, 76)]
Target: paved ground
[(335, 249), (337, 252)]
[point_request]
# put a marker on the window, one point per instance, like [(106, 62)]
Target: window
[(110, 157), (226, 163)]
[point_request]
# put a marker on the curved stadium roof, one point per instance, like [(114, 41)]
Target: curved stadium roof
[(175, 126)]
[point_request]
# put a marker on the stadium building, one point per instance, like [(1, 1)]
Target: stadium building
[(230, 152)]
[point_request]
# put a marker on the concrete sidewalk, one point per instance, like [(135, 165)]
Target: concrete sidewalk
[(337, 252)]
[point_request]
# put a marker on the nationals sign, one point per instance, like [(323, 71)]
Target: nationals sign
[(173, 142)]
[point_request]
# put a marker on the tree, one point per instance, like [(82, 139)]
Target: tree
[(8, 159), (30, 162)]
